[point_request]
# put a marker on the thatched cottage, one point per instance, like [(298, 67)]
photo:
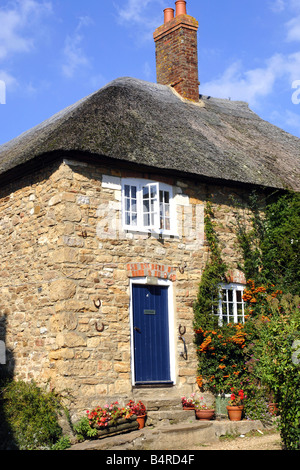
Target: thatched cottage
[(102, 240)]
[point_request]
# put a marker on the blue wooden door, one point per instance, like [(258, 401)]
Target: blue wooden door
[(151, 334)]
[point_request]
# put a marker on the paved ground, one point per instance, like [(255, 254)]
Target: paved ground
[(268, 441)]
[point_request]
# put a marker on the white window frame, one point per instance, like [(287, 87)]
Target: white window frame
[(135, 207), (231, 303)]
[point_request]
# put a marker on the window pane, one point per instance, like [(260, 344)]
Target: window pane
[(239, 296), (153, 192), (133, 205), (164, 197), (127, 190), (167, 210), (130, 204), (145, 192), (134, 219)]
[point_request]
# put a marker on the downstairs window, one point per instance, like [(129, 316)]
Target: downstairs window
[(231, 308)]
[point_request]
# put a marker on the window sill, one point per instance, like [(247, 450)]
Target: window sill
[(151, 232)]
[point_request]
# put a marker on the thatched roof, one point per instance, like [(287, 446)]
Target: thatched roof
[(148, 124)]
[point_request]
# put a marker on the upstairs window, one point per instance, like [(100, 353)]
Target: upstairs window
[(147, 205), (231, 305)]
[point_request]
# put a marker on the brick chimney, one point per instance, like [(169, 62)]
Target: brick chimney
[(177, 52)]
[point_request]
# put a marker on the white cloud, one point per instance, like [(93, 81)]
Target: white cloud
[(18, 21), (146, 15), (277, 5), (293, 25), (250, 85), (293, 29), (133, 11), (74, 55), (287, 119)]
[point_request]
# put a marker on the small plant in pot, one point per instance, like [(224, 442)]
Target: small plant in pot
[(236, 404), (139, 410), (203, 411), (188, 403)]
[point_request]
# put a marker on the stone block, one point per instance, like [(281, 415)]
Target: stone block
[(62, 289), (70, 340)]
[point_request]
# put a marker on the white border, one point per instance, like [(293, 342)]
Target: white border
[(169, 284)]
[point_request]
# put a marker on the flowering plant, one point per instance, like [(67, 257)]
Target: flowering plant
[(201, 405), (137, 409), (188, 402), (236, 397), (108, 415)]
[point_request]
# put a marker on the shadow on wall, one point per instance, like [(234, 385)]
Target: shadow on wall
[(6, 373)]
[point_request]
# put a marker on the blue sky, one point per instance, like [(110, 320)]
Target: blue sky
[(55, 52)]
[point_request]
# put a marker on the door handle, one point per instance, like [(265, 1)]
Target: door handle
[(137, 329)]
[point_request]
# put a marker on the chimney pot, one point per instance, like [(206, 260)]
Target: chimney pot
[(169, 14), (180, 7)]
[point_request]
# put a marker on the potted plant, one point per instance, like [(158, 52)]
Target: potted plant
[(108, 419), (272, 405), (236, 406), (139, 410), (188, 403), (202, 411)]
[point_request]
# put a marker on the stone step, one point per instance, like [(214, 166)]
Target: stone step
[(180, 436), (162, 404), (167, 417)]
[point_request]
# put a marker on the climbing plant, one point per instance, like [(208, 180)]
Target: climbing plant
[(213, 274), (258, 353), (270, 248), (219, 349)]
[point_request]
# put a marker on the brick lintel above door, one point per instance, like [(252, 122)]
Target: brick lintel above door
[(160, 271)]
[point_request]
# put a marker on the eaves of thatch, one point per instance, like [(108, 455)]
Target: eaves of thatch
[(148, 125)]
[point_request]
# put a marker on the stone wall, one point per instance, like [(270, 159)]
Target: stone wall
[(65, 270)]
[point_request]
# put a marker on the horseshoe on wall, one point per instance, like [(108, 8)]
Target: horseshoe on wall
[(97, 303), (99, 329), (182, 330)]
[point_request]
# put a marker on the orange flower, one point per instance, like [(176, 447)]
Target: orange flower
[(199, 381)]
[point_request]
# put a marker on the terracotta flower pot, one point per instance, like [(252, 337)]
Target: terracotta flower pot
[(205, 415), (191, 407), (273, 408), (141, 421), (235, 412)]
